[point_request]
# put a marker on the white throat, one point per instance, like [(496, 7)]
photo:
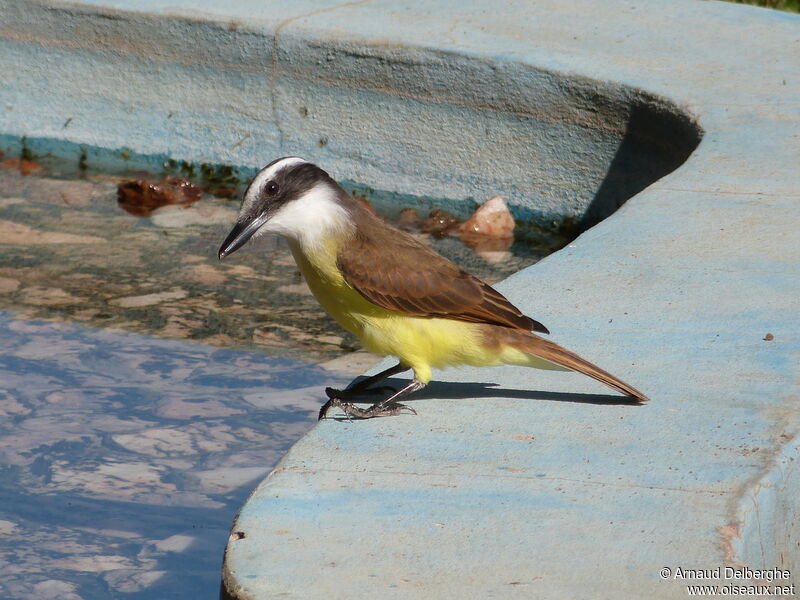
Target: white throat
[(311, 219)]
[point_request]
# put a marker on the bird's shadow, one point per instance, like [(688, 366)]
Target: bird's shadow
[(456, 390), (451, 390)]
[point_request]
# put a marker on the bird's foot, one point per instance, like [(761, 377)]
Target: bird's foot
[(387, 407), (376, 410)]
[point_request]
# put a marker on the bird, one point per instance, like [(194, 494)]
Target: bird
[(398, 296)]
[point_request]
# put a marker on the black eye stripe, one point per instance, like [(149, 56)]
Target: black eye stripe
[(285, 185)]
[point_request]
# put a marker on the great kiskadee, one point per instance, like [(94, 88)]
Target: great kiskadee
[(398, 296)]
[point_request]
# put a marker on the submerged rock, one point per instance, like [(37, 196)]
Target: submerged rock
[(492, 219), (490, 231), (140, 197), (439, 223), (25, 167)]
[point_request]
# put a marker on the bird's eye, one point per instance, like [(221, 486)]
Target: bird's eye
[(271, 188)]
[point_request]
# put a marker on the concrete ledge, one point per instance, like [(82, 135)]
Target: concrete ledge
[(393, 114), (528, 484)]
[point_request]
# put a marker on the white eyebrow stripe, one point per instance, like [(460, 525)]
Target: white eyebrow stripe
[(269, 172), (266, 174)]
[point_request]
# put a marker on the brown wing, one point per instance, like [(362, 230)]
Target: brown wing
[(397, 272)]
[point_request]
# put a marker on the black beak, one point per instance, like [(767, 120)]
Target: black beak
[(239, 235)]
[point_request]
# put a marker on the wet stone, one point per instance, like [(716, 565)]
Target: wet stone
[(140, 197), (439, 223)]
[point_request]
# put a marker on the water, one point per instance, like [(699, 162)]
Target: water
[(125, 458), (68, 251), (145, 387)]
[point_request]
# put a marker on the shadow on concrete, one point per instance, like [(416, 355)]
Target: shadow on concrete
[(447, 390), (657, 140)]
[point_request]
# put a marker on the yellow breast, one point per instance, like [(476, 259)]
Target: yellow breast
[(421, 343)]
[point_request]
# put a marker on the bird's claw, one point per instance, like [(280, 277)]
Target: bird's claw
[(376, 410), (396, 409)]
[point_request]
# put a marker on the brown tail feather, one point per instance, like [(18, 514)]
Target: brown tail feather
[(552, 352)]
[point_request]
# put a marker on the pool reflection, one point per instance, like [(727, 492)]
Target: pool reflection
[(125, 458)]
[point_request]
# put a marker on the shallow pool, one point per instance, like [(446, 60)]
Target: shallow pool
[(124, 458), (68, 251), (145, 387)]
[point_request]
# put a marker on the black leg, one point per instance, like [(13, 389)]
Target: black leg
[(355, 389), (385, 408)]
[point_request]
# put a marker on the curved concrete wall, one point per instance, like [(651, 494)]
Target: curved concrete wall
[(410, 120), (567, 108)]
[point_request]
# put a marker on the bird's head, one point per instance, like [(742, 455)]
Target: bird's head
[(291, 197)]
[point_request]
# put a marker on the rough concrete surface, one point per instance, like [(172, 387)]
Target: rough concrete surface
[(509, 483)]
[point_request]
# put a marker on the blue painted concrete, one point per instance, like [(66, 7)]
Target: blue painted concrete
[(415, 118), (510, 482)]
